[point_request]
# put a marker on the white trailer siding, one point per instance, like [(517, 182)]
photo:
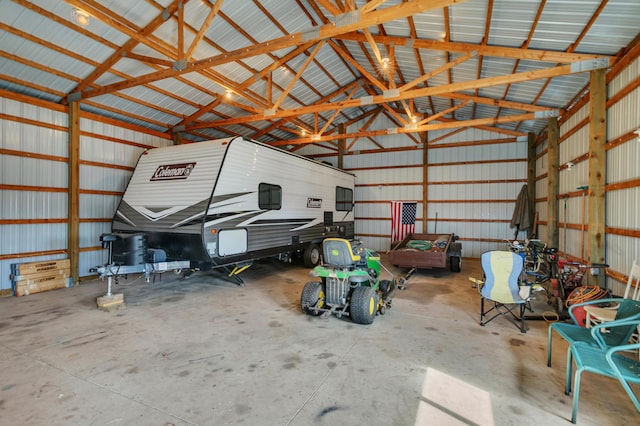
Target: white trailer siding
[(308, 193)]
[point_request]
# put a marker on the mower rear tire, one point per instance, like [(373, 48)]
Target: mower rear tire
[(312, 297), (364, 305)]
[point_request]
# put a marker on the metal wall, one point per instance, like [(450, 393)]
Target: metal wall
[(622, 196), (623, 167), (471, 190), (33, 189)]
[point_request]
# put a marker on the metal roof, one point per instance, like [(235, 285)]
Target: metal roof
[(295, 68)]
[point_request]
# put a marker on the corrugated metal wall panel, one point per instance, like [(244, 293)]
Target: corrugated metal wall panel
[(18, 205), (90, 237), (623, 162), (48, 203), (32, 239), (623, 205)]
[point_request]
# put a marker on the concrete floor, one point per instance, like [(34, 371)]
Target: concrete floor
[(206, 351)]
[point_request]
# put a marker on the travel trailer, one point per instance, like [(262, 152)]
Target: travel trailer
[(224, 203)]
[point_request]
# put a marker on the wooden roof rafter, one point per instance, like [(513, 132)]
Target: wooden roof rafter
[(485, 40), (143, 35), (525, 45), (337, 93), (413, 93), (375, 113), (445, 124), (213, 12), (482, 50), (575, 44), (323, 32)]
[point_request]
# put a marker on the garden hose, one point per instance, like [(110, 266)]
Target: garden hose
[(420, 245), (584, 293)]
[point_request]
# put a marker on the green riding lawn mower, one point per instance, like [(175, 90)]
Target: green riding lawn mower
[(349, 284)]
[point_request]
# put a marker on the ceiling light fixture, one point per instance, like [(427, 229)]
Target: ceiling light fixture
[(81, 17), (228, 93), (384, 63)]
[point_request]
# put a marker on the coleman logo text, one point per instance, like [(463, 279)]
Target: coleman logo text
[(173, 171)]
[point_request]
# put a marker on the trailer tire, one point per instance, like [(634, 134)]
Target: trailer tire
[(455, 263), (364, 305), (312, 297), (311, 256)]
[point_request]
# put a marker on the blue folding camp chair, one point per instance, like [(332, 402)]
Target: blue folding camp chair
[(503, 288)]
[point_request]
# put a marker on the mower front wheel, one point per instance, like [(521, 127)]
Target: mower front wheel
[(364, 305), (312, 297)]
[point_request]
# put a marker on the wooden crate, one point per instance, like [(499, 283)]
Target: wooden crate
[(36, 277), (44, 266), (37, 285)]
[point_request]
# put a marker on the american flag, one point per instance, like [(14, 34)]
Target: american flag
[(403, 219)]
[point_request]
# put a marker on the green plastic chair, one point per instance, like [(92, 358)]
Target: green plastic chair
[(572, 332), (603, 360)]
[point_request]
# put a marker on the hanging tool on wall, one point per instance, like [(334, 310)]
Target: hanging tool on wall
[(584, 189), (564, 249)]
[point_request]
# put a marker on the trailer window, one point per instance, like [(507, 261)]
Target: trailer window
[(269, 196), (344, 199)]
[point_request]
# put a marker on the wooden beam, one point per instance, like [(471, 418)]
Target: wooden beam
[(127, 47), (414, 93), (531, 177), (486, 128), (180, 53), (441, 113), (213, 11), (439, 70), (294, 80), (366, 74), (501, 103), (336, 112), (331, 8), (424, 140), (597, 167), (148, 59), (341, 146), (552, 185), (290, 40), (482, 50), (73, 185), (427, 127), (376, 112)]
